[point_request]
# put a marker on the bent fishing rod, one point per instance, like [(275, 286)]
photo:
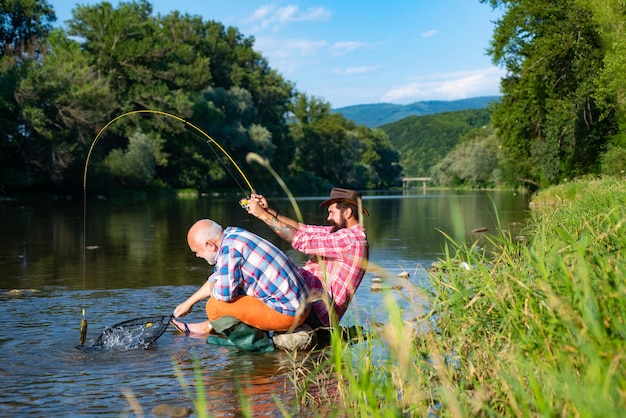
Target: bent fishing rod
[(209, 140)]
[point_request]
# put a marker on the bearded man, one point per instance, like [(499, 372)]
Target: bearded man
[(339, 251)]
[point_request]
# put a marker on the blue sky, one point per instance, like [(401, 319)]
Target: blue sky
[(360, 52)]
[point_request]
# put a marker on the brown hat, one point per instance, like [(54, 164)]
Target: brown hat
[(346, 196)]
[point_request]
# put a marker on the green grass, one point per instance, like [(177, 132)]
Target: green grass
[(187, 194)]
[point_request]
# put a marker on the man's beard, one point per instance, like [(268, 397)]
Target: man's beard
[(341, 225)]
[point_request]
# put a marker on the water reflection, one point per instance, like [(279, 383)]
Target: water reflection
[(139, 264)]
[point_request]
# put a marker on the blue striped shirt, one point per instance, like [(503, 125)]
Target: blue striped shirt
[(247, 264)]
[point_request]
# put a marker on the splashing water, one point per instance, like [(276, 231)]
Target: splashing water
[(130, 335)]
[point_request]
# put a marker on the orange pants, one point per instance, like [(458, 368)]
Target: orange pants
[(254, 312)]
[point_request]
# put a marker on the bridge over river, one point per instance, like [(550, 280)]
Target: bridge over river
[(407, 180)]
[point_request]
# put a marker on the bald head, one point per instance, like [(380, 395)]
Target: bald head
[(205, 230), (204, 238)]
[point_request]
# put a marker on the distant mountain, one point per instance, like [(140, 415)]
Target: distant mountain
[(375, 115)]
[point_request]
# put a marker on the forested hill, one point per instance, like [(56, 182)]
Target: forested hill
[(422, 141), (374, 115)]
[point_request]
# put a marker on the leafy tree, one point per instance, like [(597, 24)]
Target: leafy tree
[(611, 83), (24, 28), (61, 99), (613, 161), (380, 159), (550, 119), (113, 61), (229, 118), (337, 150), (146, 60), (474, 163), (135, 166), (327, 149), (199, 70)]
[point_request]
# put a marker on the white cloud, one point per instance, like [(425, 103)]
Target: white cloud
[(286, 48), (448, 86), (286, 14), (361, 70), (260, 14), (286, 55), (270, 15), (315, 14), (429, 33), (341, 48)]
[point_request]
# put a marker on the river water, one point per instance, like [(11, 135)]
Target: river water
[(123, 260)]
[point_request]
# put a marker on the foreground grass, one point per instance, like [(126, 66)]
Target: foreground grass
[(534, 328)]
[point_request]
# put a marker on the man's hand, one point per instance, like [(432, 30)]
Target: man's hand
[(255, 207), (260, 200), (259, 208), (182, 310)]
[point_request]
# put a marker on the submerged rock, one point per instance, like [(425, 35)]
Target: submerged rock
[(379, 287), (376, 287), (169, 410), (21, 292)]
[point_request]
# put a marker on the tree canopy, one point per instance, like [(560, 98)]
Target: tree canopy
[(557, 115), (64, 85)]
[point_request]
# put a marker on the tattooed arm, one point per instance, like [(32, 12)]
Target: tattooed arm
[(283, 226)]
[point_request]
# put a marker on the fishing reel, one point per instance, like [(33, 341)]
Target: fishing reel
[(244, 203)]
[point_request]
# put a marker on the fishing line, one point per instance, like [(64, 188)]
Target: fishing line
[(196, 132), (220, 159)]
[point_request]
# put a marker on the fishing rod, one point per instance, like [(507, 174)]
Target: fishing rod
[(243, 202)]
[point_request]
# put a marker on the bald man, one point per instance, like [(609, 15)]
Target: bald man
[(253, 281)]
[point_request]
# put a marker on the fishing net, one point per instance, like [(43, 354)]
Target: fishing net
[(134, 333)]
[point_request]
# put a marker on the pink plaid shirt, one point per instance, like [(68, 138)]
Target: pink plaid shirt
[(339, 266)]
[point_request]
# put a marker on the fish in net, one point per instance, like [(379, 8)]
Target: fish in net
[(134, 333)]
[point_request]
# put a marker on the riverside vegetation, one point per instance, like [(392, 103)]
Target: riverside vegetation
[(536, 326)]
